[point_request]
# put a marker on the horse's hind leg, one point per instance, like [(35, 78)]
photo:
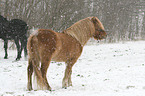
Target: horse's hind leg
[(18, 49), (29, 72), (67, 77), (44, 66), (6, 47), (24, 46)]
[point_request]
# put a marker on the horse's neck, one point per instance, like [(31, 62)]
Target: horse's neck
[(85, 36), (84, 39), (82, 31), (81, 38)]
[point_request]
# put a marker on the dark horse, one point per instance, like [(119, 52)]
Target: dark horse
[(16, 30)]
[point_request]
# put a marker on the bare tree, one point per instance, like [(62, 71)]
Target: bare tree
[(123, 20)]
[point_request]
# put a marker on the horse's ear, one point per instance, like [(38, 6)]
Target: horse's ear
[(94, 20)]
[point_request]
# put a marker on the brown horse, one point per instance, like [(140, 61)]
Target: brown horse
[(45, 45)]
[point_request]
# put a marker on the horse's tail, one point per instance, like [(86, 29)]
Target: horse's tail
[(34, 58)]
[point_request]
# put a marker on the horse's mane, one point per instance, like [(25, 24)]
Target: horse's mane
[(82, 30)]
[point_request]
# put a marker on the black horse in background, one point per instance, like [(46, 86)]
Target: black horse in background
[(16, 30)]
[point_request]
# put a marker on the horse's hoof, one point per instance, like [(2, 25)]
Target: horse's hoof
[(5, 57), (17, 59), (64, 87), (49, 89), (30, 89)]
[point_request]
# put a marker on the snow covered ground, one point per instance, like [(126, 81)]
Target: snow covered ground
[(102, 70)]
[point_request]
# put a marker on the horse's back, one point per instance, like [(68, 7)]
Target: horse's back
[(18, 27), (67, 48), (17, 22)]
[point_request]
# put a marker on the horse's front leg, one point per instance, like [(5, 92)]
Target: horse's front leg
[(68, 71), (69, 80), (6, 47)]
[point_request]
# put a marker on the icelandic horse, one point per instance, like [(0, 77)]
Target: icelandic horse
[(45, 45)]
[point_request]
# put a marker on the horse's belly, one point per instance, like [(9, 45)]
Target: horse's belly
[(63, 55), (58, 60)]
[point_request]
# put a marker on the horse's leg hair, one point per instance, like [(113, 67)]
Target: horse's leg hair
[(45, 62), (6, 47), (37, 72), (67, 77), (29, 72)]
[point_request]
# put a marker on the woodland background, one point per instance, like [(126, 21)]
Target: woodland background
[(123, 20)]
